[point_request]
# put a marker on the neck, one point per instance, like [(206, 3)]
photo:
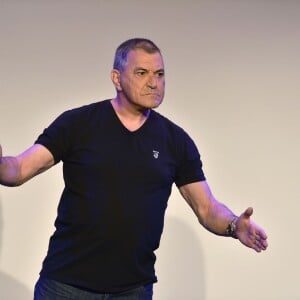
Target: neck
[(131, 117)]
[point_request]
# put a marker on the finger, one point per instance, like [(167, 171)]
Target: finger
[(263, 235), (257, 248), (248, 212), (259, 244), (264, 244), (260, 234)]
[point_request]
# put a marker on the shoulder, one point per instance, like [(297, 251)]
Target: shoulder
[(83, 114), (174, 134), (166, 124), (87, 110)]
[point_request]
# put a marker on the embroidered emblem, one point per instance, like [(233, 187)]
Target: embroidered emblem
[(155, 154)]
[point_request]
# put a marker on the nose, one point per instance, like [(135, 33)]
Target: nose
[(152, 81)]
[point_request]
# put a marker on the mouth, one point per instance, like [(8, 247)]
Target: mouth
[(152, 94)]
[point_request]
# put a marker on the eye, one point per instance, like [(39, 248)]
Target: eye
[(140, 72), (161, 74)]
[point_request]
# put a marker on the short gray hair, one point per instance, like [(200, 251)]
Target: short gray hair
[(120, 60)]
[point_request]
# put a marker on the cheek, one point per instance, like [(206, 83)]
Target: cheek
[(162, 84), (130, 87), (162, 88)]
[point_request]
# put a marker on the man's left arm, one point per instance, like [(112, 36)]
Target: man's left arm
[(219, 219)]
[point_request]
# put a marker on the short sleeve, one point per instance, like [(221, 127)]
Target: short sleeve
[(190, 169), (57, 137)]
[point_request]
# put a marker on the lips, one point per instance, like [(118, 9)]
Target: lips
[(151, 94)]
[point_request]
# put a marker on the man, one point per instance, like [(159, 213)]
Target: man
[(120, 160)]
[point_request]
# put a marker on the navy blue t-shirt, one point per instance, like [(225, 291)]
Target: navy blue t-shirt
[(117, 184)]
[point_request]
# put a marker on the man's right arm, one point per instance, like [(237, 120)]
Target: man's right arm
[(15, 170)]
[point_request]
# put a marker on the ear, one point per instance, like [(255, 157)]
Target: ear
[(115, 78)]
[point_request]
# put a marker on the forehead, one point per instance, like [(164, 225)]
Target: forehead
[(141, 59)]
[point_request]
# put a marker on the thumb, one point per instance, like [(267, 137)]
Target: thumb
[(248, 212)]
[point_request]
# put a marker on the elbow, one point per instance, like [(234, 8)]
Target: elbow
[(203, 215), (16, 183), (10, 172), (12, 180), (11, 183)]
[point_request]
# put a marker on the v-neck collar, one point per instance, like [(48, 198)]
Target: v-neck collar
[(116, 117)]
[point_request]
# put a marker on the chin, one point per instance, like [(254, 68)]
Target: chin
[(150, 102), (154, 103)]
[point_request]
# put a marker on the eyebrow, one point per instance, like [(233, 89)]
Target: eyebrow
[(147, 70)]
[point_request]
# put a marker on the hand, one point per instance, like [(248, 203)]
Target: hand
[(250, 234)]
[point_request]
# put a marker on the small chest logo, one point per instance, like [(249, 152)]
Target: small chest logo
[(155, 154)]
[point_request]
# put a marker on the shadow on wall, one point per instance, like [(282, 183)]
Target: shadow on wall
[(10, 288), (180, 266), (180, 263)]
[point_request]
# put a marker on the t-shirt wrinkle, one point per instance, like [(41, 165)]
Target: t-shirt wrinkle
[(117, 185)]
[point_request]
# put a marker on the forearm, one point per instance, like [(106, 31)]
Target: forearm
[(9, 171), (17, 170), (218, 218), (213, 215)]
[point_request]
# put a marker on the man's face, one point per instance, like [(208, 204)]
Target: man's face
[(142, 82)]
